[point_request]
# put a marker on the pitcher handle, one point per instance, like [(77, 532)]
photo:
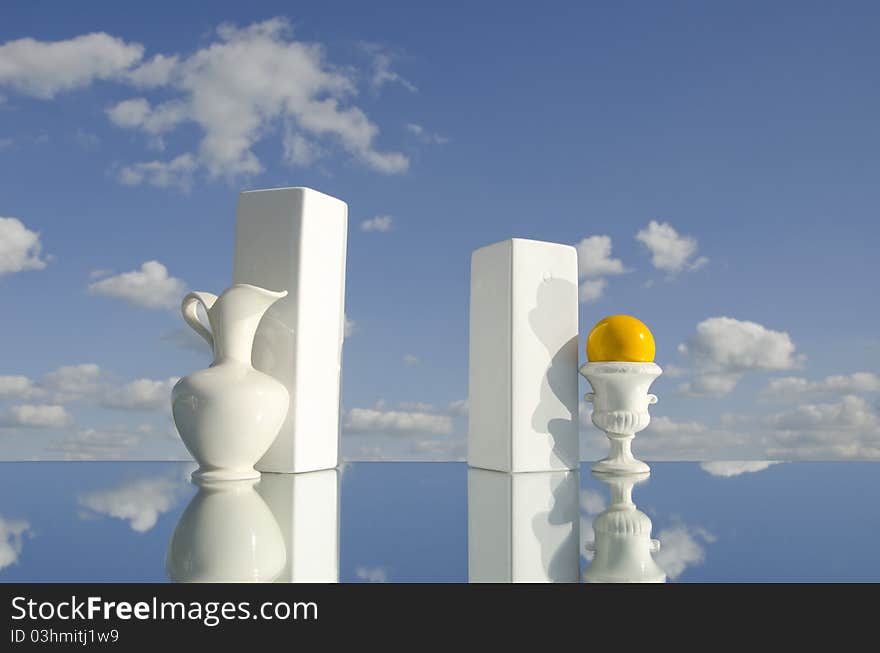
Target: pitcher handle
[(189, 308)]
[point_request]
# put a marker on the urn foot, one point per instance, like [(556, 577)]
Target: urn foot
[(208, 475), (621, 459)]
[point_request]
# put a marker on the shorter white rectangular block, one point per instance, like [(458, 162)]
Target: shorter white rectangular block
[(523, 381), (306, 507), (523, 528), (294, 239)]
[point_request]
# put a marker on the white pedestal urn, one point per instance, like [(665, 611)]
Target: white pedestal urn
[(623, 545), (620, 408), (227, 534), (229, 414)]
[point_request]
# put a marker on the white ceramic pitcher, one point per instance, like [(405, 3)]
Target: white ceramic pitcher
[(229, 414)]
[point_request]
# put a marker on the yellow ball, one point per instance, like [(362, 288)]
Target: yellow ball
[(620, 338)]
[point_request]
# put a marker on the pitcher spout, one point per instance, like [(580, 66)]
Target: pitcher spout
[(235, 318)]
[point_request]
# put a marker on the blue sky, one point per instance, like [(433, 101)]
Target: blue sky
[(716, 164)]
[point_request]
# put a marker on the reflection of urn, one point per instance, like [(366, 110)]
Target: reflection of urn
[(623, 545), (227, 534), (620, 408)]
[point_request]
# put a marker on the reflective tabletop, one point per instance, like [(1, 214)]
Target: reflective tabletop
[(443, 522)]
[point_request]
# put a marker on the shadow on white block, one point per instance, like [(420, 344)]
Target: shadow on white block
[(523, 357)]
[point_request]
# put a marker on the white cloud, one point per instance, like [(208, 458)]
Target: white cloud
[(424, 135), (155, 72), (379, 223), (349, 327), (43, 416), (594, 263), (591, 289), (729, 468), (6, 142), (382, 72), (95, 444), (708, 384), (411, 359), (73, 382), (19, 247), (19, 387), (459, 407), (239, 88), (299, 150), (594, 258), (681, 547), (141, 394), (670, 251), (150, 287), (137, 113), (792, 388), (359, 420), (724, 348), (850, 413), (86, 139), (665, 425), (418, 406), (176, 173), (44, 68), (372, 574), (12, 534), (140, 502)]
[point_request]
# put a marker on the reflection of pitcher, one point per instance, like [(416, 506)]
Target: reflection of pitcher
[(623, 546), (227, 534), (228, 414)]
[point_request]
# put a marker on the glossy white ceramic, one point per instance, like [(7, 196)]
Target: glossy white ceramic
[(620, 408), (523, 528), (523, 357), (294, 239), (228, 415), (226, 535), (623, 546)]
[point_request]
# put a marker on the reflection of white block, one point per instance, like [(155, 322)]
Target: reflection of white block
[(306, 507), (523, 528), (523, 381), (294, 239)]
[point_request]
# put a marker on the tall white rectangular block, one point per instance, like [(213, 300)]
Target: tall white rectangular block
[(306, 507), (523, 528), (294, 239), (523, 380)]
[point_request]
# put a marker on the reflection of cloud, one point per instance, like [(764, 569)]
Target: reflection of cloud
[(372, 574), (12, 532), (728, 468), (681, 547), (139, 502)]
